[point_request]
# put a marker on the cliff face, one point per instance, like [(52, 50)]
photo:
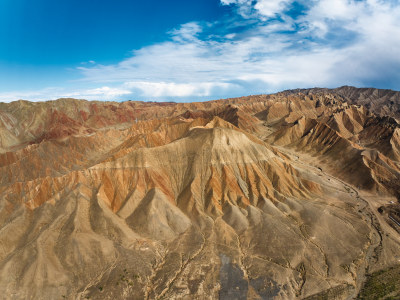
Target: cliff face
[(270, 196)]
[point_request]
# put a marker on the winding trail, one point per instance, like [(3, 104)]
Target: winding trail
[(365, 209)]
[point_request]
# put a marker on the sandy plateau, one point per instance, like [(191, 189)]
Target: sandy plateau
[(293, 195)]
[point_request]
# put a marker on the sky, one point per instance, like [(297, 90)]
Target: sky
[(194, 50)]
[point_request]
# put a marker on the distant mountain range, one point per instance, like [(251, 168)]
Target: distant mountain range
[(378, 101)]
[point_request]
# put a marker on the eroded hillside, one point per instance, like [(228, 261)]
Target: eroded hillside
[(285, 196)]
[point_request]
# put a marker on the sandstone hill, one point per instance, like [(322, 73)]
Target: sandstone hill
[(293, 195)]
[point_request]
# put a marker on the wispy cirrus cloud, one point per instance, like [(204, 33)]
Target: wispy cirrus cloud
[(265, 46)]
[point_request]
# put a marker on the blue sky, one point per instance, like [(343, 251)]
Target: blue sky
[(194, 50)]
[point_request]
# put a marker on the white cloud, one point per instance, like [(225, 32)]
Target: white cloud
[(186, 32), (228, 2), (102, 93), (371, 56), (270, 8), (336, 9), (171, 89), (265, 8)]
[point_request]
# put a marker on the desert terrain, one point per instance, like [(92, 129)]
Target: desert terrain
[(293, 195)]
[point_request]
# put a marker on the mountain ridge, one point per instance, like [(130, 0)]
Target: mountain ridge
[(284, 196)]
